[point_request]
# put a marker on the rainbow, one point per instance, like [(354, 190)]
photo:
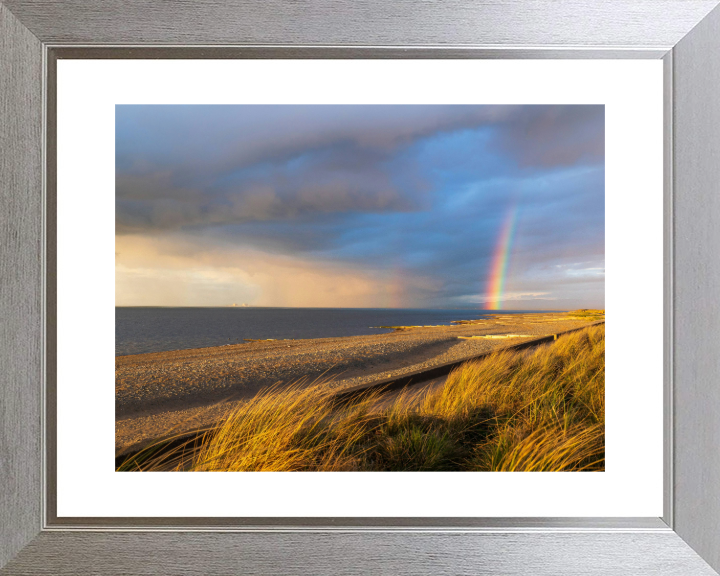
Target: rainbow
[(498, 271)]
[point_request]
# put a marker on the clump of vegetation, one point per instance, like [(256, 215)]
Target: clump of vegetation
[(588, 314), (547, 406), (294, 428), (541, 410)]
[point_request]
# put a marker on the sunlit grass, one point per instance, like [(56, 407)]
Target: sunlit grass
[(541, 410), (547, 406), (587, 314), (288, 430)]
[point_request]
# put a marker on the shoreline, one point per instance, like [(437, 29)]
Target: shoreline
[(129, 343), (161, 392)]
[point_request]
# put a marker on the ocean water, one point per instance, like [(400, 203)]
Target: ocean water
[(145, 329)]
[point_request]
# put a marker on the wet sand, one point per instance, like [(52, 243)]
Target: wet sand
[(161, 394)]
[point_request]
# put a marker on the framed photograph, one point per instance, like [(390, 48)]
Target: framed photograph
[(360, 275)]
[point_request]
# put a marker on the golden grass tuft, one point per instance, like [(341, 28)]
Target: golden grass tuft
[(285, 430), (548, 406), (587, 314), (552, 449), (541, 410)]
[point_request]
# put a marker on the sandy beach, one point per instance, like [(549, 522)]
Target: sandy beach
[(161, 394)]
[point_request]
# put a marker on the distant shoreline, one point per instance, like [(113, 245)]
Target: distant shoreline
[(149, 329), (141, 330)]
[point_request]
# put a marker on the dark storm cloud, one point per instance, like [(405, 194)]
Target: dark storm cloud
[(416, 191), (217, 139), (555, 135), (181, 165), (272, 192)]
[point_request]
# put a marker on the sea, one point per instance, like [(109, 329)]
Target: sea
[(139, 330)]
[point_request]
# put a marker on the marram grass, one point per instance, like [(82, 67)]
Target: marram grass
[(541, 410)]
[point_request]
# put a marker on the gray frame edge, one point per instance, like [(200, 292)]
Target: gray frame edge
[(150, 553), (604, 550), (696, 364), (668, 294), (21, 278), (544, 23)]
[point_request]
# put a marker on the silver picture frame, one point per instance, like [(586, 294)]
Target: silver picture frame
[(685, 34)]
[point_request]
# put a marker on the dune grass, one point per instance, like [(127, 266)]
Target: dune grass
[(587, 314), (540, 410)]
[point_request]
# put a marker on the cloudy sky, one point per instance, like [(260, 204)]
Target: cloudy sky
[(360, 206)]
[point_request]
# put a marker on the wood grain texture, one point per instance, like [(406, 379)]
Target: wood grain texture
[(73, 554), (20, 284), (374, 22), (697, 288)]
